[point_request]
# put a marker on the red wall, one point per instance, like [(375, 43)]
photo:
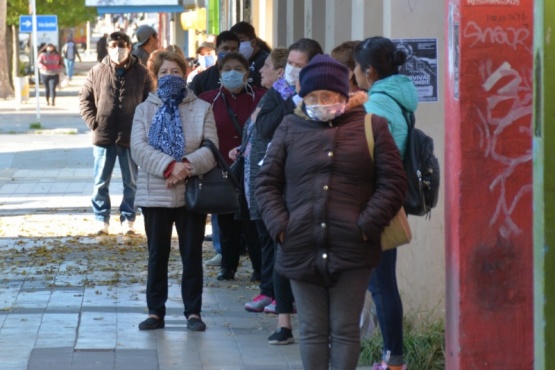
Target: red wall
[(488, 169)]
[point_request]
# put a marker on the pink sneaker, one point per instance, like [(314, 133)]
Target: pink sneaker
[(258, 303), (271, 308)]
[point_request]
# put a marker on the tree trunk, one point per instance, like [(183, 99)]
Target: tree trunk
[(5, 87)]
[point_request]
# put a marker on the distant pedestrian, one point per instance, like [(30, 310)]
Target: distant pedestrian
[(101, 48), (70, 52), (108, 99), (50, 64), (147, 42)]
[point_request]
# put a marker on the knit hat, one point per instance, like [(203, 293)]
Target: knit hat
[(324, 73), (143, 33)]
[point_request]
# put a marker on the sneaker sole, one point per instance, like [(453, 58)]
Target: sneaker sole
[(250, 309), (284, 342)]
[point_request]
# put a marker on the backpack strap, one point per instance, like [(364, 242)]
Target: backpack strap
[(409, 116)]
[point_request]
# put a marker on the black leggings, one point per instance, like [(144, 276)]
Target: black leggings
[(50, 83)]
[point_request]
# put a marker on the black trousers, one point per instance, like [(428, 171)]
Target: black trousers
[(190, 231), (267, 248), (230, 240), (282, 292), (50, 83)]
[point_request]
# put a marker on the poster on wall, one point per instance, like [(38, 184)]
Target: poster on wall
[(421, 66)]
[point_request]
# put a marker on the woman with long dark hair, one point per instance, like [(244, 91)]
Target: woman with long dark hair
[(377, 71)]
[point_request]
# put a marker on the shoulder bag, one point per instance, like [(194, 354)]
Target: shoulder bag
[(215, 192), (398, 232)]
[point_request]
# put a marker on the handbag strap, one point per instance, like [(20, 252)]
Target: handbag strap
[(369, 134), (221, 161), (232, 115)]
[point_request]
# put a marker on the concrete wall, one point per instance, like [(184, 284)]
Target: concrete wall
[(421, 266)]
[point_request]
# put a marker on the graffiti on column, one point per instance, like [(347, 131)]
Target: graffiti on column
[(507, 113)]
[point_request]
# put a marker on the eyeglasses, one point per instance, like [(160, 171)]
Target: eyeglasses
[(323, 97)]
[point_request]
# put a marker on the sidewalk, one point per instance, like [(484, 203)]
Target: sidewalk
[(73, 301)]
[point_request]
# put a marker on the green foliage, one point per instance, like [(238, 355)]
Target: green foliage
[(70, 13), (423, 344), (35, 126)]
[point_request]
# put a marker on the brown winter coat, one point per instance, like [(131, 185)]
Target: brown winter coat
[(108, 102), (320, 187)]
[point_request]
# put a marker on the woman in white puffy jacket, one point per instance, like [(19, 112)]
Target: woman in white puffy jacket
[(168, 129)]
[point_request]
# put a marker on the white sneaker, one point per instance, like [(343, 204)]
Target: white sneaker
[(101, 228), (127, 227), (214, 261)]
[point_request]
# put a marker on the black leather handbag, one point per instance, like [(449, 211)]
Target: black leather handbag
[(215, 192)]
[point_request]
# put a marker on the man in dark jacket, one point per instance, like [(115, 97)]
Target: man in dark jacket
[(209, 79), (250, 50), (108, 99)]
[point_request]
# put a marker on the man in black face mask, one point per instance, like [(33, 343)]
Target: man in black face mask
[(108, 99)]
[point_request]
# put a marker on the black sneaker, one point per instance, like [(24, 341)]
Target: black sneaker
[(196, 324), (281, 336), (226, 274), (152, 323)]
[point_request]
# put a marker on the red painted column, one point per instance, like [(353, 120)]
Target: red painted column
[(488, 184)]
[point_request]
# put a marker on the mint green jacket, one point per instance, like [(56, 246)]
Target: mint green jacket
[(403, 90)]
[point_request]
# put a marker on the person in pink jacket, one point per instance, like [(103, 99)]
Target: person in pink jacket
[(50, 64)]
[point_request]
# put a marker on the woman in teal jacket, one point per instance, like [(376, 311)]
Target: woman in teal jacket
[(377, 71)]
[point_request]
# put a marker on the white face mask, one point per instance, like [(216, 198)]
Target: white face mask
[(325, 113), (246, 49), (118, 55), (292, 74)]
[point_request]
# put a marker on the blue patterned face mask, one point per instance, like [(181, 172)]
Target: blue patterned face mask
[(166, 130), (232, 80)]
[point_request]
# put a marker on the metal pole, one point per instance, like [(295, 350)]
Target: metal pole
[(36, 55), (88, 33)]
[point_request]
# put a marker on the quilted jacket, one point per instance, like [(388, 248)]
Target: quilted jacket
[(198, 124), (320, 187)]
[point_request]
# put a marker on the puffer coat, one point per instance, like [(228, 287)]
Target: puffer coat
[(108, 101), (320, 187), (198, 124)]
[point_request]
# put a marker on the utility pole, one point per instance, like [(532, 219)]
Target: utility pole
[(33, 8)]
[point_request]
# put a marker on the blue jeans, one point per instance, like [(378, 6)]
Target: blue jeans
[(389, 307), (69, 67), (216, 234), (104, 161), (329, 320)]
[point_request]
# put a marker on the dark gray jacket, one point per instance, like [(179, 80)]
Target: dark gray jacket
[(107, 101)]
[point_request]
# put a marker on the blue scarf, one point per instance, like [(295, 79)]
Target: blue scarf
[(166, 130)]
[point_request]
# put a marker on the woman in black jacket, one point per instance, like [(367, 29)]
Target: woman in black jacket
[(279, 101), (326, 202)]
